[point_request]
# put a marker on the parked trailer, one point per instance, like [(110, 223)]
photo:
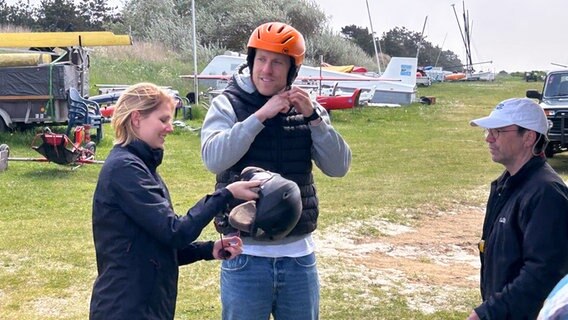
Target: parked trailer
[(32, 95), (38, 73)]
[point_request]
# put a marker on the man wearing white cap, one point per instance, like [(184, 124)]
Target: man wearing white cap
[(524, 244)]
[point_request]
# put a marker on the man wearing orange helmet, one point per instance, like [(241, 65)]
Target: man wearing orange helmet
[(262, 120)]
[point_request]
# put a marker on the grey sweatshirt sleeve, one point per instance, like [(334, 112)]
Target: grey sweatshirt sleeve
[(224, 141), (330, 152)]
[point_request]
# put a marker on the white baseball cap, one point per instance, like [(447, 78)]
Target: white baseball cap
[(522, 112)]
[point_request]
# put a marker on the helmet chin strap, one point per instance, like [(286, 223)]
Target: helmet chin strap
[(290, 77), (292, 73)]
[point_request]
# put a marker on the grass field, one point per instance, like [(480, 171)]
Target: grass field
[(409, 163)]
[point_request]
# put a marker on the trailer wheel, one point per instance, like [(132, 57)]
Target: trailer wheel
[(91, 147), (3, 126), (4, 147)]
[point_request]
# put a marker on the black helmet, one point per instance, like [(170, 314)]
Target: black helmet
[(275, 213)]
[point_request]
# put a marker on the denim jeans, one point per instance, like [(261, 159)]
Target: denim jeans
[(252, 288)]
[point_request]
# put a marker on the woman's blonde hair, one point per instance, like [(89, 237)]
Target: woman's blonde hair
[(142, 97)]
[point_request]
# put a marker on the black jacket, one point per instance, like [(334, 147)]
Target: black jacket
[(525, 236), (139, 240)]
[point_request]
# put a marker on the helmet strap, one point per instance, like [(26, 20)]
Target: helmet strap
[(251, 53), (292, 73)]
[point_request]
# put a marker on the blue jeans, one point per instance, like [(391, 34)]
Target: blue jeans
[(252, 288)]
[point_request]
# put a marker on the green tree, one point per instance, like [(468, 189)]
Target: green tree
[(3, 10), (446, 59), (58, 15), (361, 37), (400, 42), (227, 24), (306, 16), (21, 14), (337, 50), (220, 23), (139, 15), (96, 14)]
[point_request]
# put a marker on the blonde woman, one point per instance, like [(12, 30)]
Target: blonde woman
[(139, 240)]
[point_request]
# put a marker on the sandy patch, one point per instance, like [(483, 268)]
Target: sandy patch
[(428, 263)]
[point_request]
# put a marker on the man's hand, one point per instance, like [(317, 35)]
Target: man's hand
[(301, 101), (277, 104)]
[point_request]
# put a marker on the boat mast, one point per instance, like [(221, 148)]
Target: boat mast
[(440, 53), (374, 40), (465, 42), (467, 30), (421, 38)]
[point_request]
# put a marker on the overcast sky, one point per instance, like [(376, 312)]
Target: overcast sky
[(517, 35)]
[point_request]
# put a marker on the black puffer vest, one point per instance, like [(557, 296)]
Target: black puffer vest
[(283, 146)]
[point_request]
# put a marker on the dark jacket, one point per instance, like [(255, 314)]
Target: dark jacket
[(525, 236), (283, 146), (139, 240)]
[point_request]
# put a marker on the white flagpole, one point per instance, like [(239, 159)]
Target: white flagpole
[(195, 80), (373, 35)]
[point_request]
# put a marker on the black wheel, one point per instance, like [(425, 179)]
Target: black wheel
[(99, 136), (3, 126), (189, 113), (91, 146), (88, 152)]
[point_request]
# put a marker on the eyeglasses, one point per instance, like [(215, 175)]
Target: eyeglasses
[(495, 132)]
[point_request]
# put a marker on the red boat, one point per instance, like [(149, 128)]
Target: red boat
[(340, 102)]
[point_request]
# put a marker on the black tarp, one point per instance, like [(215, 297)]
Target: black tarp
[(36, 80)]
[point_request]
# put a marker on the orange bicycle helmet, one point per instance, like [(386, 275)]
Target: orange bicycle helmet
[(279, 38)]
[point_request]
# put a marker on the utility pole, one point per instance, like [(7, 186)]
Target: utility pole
[(466, 38)]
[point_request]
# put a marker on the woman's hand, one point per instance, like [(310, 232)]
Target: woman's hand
[(227, 248), (473, 316), (244, 190)]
